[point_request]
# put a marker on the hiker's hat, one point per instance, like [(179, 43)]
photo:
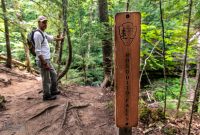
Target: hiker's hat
[(42, 18)]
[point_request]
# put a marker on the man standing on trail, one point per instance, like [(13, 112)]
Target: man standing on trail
[(42, 50)]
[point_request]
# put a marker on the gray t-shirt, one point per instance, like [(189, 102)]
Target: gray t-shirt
[(42, 49)]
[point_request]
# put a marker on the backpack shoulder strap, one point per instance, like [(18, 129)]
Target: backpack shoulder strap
[(41, 34)]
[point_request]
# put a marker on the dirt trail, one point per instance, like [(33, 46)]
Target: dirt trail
[(77, 111)]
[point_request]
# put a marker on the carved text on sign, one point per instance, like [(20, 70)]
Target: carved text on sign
[(127, 33), (127, 89)]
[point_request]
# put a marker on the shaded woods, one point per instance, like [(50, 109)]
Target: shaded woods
[(169, 52)]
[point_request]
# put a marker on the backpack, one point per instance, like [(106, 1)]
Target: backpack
[(31, 42)]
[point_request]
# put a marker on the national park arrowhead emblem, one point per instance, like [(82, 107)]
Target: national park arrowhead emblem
[(127, 33)]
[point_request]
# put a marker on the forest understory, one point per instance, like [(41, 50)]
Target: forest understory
[(142, 48), (79, 110)]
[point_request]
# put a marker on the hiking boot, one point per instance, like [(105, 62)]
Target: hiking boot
[(53, 97), (55, 93)]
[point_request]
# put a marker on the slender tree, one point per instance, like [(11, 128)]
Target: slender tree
[(106, 42), (26, 48), (9, 57), (127, 5), (62, 42), (197, 35), (66, 30), (57, 46), (163, 52), (185, 58), (194, 103)]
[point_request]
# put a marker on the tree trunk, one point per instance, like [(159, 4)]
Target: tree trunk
[(197, 99), (60, 53), (106, 42), (197, 74), (198, 57), (127, 5), (9, 57), (69, 60), (196, 93), (57, 46), (194, 102), (28, 62), (64, 32), (26, 48), (185, 58), (163, 52)]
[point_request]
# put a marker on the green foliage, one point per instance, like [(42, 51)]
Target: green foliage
[(169, 130), (86, 33), (171, 105), (74, 77), (173, 91), (110, 105), (144, 113), (149, 114)]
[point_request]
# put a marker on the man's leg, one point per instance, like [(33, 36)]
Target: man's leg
[(46, 82), (53, 75)]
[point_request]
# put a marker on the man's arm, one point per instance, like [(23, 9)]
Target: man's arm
[(52, 38), (58, 39)]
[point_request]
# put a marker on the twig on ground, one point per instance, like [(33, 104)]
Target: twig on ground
[(79, 106), (102, 125), (30, 98), (40, 91), (75, 92)]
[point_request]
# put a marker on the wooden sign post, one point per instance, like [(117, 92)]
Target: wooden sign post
[(127, 65)]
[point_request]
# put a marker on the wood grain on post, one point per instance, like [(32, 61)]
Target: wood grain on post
[(127, 65)]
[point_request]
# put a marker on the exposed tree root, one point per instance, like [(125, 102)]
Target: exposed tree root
[(106, 82), (78, 106), (43, 111), (65, 113), (45, 127)]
